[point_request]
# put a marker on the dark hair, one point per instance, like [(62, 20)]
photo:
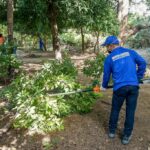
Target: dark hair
[(1, 35)]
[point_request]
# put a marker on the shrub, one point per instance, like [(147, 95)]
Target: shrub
[(8, 62), (5, 62), (94, 68)]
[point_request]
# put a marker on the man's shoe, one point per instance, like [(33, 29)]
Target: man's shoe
[(125, 140), (111, 135)]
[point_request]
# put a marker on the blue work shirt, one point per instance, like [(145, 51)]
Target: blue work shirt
[(121, 63)]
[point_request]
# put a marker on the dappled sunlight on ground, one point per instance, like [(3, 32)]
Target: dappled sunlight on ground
[(31, 67)]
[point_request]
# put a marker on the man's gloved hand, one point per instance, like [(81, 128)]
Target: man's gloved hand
[(140, 80), (102, 88)]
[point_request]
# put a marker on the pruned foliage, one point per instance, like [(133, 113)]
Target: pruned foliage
[(35, 108)]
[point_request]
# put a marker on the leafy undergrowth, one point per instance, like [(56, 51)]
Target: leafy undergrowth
[(35, 109)]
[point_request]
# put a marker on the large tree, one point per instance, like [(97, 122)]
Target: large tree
[(104, 19), (10, 19), (94, 16), (123, 10), (127, 28), (53, 13), (78, 15)]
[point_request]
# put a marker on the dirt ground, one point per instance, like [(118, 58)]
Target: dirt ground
[(82, 132), (89, 132)]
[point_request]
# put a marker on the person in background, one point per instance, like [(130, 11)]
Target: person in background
[(15, 45), (2, 46), (127, 68), (41, 44), (2, 39)]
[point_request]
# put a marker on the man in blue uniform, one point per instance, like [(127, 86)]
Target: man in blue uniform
[(41, 44), (127, 68)]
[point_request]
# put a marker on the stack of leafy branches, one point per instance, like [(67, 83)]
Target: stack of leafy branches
[(35, 109)]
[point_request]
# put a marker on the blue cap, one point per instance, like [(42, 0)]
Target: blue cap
[(110, 40)]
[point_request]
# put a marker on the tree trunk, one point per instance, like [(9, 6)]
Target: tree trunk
[(82, 36), (96, 46), (10, 20), (10, 31), (45, 43), (54, 30), (134, 30), (123, 6)]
